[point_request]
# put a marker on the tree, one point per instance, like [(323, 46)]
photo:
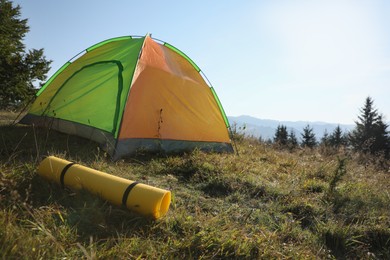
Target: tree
[(370, 134), (325, 139), (337, 138), (308, 137), (281, 135), (382, 137), (19, 68), (292, 140)]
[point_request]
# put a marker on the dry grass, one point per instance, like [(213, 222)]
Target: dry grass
[(265, 203)]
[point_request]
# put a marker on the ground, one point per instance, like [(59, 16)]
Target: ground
[(263, 203)]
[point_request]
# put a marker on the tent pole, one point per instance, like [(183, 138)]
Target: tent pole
[(233, 140), (24, 108)]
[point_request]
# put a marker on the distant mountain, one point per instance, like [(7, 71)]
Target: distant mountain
[(265, 128)]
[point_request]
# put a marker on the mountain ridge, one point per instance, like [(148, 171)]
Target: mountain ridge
[(265, 128)]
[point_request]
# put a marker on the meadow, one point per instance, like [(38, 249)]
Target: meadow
[(263, 202)]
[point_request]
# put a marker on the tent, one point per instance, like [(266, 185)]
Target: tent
[(133, 93)]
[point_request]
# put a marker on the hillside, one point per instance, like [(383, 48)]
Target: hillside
[(262, 203), (265, 128)]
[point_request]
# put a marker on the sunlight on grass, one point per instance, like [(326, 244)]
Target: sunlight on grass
[(265, 203)]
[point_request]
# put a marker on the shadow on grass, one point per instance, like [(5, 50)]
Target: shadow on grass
[(84, 213), (26, 144), (22, 148)]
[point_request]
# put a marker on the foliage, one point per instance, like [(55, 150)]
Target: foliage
[(281, 135), (264, 204), (285, 139), (308, 137), (325, 138), (237, 132), (338, 174), (370, 134), (292, 141), (19, 69), (337, 138)]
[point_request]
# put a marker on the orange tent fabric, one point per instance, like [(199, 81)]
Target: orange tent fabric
[(154, 98), (176, 102)]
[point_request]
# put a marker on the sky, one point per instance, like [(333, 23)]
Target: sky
[(301, 60)]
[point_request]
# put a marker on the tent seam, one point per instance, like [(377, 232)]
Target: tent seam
[(116, 137)]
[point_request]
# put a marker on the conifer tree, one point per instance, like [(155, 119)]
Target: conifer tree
[(337, 138), (370, 134), (382, 137), (308, 137), (325, 139), (281, 135), (292, 140), (18, 68)]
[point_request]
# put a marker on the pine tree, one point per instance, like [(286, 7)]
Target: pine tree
[(281, 135), (325, 139), (337, 138), (18, 68), (382, 137), (308, 137), (292, 140), (370, 134)]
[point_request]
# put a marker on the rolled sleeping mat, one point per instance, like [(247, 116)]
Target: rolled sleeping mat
[(141, 198)]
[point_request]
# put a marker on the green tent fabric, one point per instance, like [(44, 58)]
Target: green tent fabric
[(131, 93)]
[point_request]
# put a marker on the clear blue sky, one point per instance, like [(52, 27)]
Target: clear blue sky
[(282, 60)]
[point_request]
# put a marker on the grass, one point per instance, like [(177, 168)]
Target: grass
[(264, 203)]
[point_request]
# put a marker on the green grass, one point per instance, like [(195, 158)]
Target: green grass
[(264, 203)]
